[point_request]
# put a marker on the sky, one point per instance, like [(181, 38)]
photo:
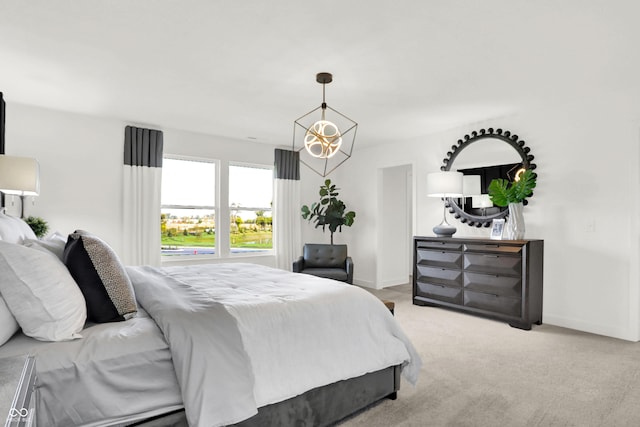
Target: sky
[(194, 182)]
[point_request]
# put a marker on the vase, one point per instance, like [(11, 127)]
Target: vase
[(514, 226)]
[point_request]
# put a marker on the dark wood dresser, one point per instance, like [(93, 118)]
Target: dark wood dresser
[(501, 279)]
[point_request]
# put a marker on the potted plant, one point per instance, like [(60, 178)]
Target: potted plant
[(38, 225), (512, 194), (329, 211)]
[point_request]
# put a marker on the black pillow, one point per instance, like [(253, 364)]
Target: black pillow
[(101, 277)]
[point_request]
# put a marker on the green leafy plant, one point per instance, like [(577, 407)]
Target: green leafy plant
[(38, 225), (329, 211), (502, 192)]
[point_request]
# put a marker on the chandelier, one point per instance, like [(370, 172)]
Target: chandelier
[(324, 144)]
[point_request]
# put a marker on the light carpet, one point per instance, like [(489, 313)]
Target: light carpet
[(481, 372)]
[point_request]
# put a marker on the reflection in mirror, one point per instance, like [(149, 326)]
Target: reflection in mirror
[(484, 176), (484, 155)]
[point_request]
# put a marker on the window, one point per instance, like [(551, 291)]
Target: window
[(188, 207), (194, 223), (250, 200)]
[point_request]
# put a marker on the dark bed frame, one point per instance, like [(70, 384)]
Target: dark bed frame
[(322, 406)]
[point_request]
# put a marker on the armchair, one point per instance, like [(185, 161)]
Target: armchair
[(330, 261)]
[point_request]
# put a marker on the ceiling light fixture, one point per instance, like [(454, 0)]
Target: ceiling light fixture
[(325, 144)]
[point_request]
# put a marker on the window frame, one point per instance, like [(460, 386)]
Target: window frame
[(215, 208), (264, 252), (222, 211)]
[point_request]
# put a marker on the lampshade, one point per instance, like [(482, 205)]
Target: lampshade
[(324, 140), (19, 175), (471, 185), (444, 184)]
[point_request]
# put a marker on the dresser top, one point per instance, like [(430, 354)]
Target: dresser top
[(474, 239)]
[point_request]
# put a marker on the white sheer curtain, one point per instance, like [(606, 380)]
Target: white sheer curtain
[(287, 221), (142, 186)]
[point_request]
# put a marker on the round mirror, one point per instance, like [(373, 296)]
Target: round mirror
[(481, 157)]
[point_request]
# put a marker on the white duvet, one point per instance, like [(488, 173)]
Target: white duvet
[(243, 335)]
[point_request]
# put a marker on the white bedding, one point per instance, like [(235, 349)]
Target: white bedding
[(225, 339), (118, 372), (298, 332)]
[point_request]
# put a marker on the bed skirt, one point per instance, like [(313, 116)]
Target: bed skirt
[(322, 406)]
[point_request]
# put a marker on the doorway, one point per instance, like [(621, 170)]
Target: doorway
[(395, 219)]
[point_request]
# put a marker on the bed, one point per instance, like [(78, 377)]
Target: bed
[(208, 345)]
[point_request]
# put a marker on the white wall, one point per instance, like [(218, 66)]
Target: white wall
[(584, 206), (81, 167)]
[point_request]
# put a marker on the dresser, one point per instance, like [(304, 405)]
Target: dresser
[(501, 279), (17, 382)]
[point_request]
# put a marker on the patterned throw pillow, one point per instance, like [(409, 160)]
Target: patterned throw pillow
[(101, 277)]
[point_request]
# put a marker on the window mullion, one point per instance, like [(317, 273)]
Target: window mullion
[(223, 240)]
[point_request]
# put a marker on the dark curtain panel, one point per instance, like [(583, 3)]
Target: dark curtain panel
[(2, 116), (287, 164), (143, 147)]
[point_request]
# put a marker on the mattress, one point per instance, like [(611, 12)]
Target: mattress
[(122, 368)]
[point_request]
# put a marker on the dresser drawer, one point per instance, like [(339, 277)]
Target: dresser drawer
[(493, 263), (498, 248), (434, 244), (439, 258), (493, 303), (440, 292), (441, 276), (508, 286)]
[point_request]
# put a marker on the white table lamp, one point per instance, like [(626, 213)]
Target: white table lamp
[(19, 176), (444, 185)]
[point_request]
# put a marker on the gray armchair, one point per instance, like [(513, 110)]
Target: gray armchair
[(330, 261)]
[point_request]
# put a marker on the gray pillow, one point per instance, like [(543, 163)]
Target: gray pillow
[(54, 243)]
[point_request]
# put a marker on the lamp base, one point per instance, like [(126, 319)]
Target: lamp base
[(444, 229)]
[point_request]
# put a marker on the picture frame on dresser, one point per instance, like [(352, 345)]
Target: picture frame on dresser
[(497, 227)]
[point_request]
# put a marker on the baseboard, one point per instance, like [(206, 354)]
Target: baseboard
[(395, 282), (592, 328), (364, 283)]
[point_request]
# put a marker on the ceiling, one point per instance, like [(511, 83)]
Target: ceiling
[(246, 68)]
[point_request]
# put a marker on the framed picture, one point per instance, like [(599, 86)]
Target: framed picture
[(497, 225)]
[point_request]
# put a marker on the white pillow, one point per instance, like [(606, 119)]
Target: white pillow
[(14, 230), (54, 243), (8, 324), (41, 293)]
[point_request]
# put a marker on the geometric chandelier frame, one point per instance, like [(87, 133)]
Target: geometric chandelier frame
[(337, 145)]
